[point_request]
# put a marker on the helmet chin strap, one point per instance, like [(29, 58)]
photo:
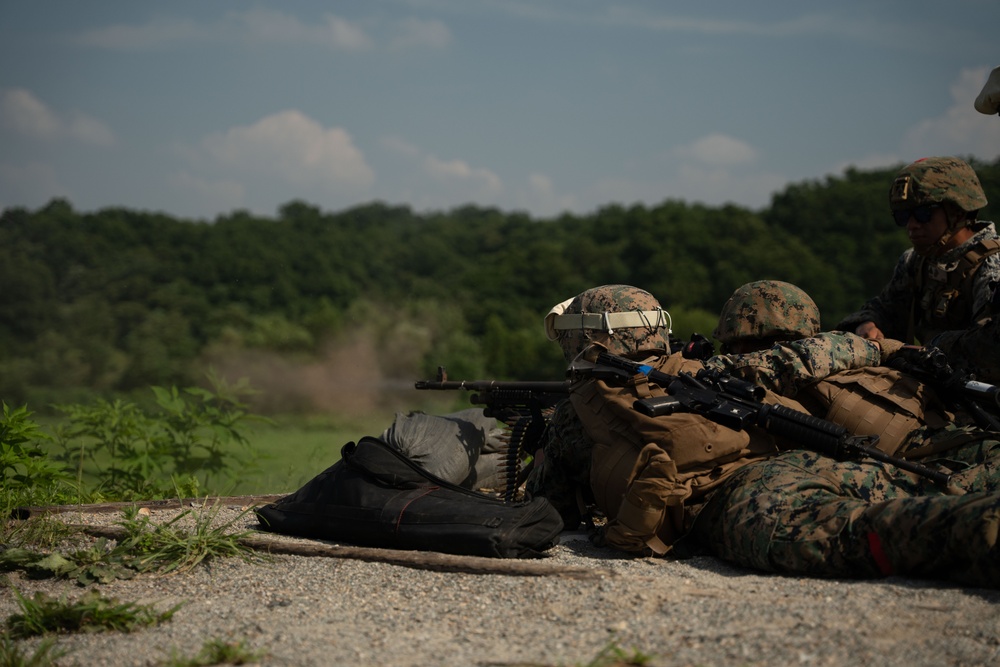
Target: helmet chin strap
[(956, 221)]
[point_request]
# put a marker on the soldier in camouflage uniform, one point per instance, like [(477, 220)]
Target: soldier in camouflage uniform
[(666, 477), (561, 471), (647, 476), (771, 329), (799, 512), (944, 285)]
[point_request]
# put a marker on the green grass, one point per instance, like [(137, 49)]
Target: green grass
[(92, 612), (295, 449), (217, 652), (46, 653)]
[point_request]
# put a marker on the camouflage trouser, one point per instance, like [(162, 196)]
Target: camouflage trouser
[(970, 454), (563, 473), (805, 514)]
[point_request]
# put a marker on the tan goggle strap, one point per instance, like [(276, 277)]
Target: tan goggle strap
[(647, 319)]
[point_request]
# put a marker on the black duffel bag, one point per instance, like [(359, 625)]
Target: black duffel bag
[(375, 496)]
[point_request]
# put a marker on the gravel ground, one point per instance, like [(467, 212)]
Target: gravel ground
[(314, 610)]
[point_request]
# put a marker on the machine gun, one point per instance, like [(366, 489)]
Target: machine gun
[(959, 389), (523, 406), (736, 403)]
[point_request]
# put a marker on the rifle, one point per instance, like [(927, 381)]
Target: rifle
[(960, 389), (736, 403), (523, 406)]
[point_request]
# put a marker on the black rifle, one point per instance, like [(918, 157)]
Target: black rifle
[(959, 389), (522, 406), (736, 404)]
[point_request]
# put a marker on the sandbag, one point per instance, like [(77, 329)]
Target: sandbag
[(375, 496), (464, 448)]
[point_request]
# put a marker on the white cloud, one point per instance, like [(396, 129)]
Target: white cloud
[(262, 25), (266, 26), (28, 116), (960, 130), (481, 182), (719, 150), (89, 130), (295, 148), (543, 200), (399, 146), (415, 33), (867, 162), (156, 33)]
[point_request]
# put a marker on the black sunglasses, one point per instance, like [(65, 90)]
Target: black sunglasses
[(921, 214)]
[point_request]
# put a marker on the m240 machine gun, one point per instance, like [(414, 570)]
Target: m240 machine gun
[(523, 406)]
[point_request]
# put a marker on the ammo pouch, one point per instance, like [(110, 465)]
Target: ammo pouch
[(880, 401), (376, 497)]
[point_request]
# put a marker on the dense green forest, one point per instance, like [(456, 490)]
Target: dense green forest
[(320, 310)]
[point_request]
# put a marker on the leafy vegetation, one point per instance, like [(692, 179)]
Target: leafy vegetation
[(218, 652), (12, 654), (177, 545), (91, 612), (192, 437), (306, 302)]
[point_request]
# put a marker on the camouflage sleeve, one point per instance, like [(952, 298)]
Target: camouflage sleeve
[(787, 367), (890, 310), (975, 350)]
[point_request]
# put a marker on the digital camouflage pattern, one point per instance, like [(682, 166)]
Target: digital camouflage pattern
[(899, 309), (787, 367), (624, 341), (934, 180), (804, 514), (563, 473), (975, 350), (766, 309)]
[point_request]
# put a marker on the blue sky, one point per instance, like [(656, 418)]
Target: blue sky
[(201, 108)]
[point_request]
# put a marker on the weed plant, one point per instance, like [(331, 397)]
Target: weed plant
[(92, 612), (144, 547), (217, 652), (46, 653), (168, 548), (193, 439)]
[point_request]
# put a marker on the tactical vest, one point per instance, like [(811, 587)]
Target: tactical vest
[(647, 472), (880, 401), (943, 293)]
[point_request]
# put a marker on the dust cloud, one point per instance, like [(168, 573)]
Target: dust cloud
[(344, 377)]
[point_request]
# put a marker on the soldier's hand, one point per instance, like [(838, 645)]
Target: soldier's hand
[(869, 330)]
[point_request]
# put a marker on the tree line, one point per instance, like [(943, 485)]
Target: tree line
[(119, 299)]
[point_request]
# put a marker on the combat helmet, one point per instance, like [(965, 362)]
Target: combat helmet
[(622, 319), (767, 309), (933, 180)]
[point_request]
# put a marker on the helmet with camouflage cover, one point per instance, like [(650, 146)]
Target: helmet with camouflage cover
[(624, 320), (934, 180), (767, 309)]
